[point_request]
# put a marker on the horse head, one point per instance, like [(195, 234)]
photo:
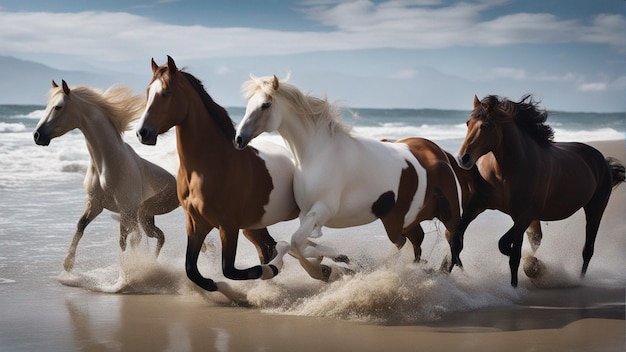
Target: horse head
[(483, 132), (166, 103), (55, 121), (260, 116)]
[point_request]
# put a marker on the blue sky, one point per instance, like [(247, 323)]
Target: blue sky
[(571, 54)]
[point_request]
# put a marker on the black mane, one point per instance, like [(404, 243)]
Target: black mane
[(216, 111), (526, 114)]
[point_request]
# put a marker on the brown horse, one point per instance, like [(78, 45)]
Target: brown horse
[(218, 185), (530, 177)]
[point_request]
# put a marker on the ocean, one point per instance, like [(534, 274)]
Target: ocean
[(41, 199)]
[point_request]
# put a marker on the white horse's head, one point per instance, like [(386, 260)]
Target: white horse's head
[(262, 114), (54, 122)]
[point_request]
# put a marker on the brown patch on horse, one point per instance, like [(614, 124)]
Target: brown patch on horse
[(383, 205), (393, 221)]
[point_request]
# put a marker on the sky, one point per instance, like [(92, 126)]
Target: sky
[(570, 54)]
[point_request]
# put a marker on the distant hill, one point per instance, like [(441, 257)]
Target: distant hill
[(28, 82)]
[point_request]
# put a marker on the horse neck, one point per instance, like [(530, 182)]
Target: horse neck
[(199, 139), (102, 139), (512, 154), (302, 138)]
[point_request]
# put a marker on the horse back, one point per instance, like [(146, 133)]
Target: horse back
[(570, 176)]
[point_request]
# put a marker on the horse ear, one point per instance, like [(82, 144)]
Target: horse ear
[(66, 89), (154, 66), (476, 101), (171, 64), (54, 84), (275, 83)]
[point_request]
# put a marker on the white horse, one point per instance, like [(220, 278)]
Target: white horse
[(345, 180), (117, 178)]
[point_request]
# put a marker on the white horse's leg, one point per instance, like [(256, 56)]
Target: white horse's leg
[(91, 211), (312, 221), (533, 267), (272, 268)]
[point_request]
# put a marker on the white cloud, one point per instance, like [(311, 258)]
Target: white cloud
[(118, 36), (592, 87)]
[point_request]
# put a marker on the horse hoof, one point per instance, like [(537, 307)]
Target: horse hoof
[(342, 258), (533, 267), (326, 271)]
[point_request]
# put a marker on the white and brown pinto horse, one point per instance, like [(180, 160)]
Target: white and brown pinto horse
[(219, 186), (344, 180), (117, 179)]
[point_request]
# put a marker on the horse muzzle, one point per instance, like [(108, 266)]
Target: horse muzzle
[(241, 141), (41, 138), (465, 161), (147, 136)]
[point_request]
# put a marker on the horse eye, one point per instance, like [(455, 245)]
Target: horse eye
[(266, 105), (57, 107), (486, 125), (166, 93)]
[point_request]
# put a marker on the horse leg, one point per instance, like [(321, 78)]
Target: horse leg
[(416, 237), (593, 215), (195, 240), (511, 244), (264, 243), (91, 211), (128, 224), (534, 234), (229, 250), (533, 267), (148, 225), (300, 240)]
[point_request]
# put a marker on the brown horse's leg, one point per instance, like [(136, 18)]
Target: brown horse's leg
[(416, 237), (511, 244), (195, 240), (264, 243), (473, 208), (92, 210), (148, 225), (229, 250), (593, 214)]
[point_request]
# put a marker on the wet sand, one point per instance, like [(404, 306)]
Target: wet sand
[(60, 318)]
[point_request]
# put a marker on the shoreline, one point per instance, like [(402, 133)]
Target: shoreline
[(571, 314)]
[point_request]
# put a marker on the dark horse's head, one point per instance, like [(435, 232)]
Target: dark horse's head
[(484, 127)]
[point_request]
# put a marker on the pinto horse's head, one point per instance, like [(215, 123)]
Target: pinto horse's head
[(166, 105), (260, 116), (483, 133)]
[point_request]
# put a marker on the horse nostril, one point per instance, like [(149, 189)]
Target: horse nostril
[(465, 158), (239, 141), (36, 136)]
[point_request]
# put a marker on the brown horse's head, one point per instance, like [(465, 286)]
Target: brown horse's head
[(483, 132), (167, 105)]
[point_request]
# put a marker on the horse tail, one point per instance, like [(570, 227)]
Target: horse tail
[(617, 171)]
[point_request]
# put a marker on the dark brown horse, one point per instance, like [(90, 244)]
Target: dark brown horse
[(530, 177), (219, 186)]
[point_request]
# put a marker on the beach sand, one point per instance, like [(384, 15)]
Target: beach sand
[(54, 317)]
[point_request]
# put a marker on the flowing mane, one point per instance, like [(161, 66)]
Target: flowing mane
[(217, 112), (526, 114), (117, 103), (318, 112)]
